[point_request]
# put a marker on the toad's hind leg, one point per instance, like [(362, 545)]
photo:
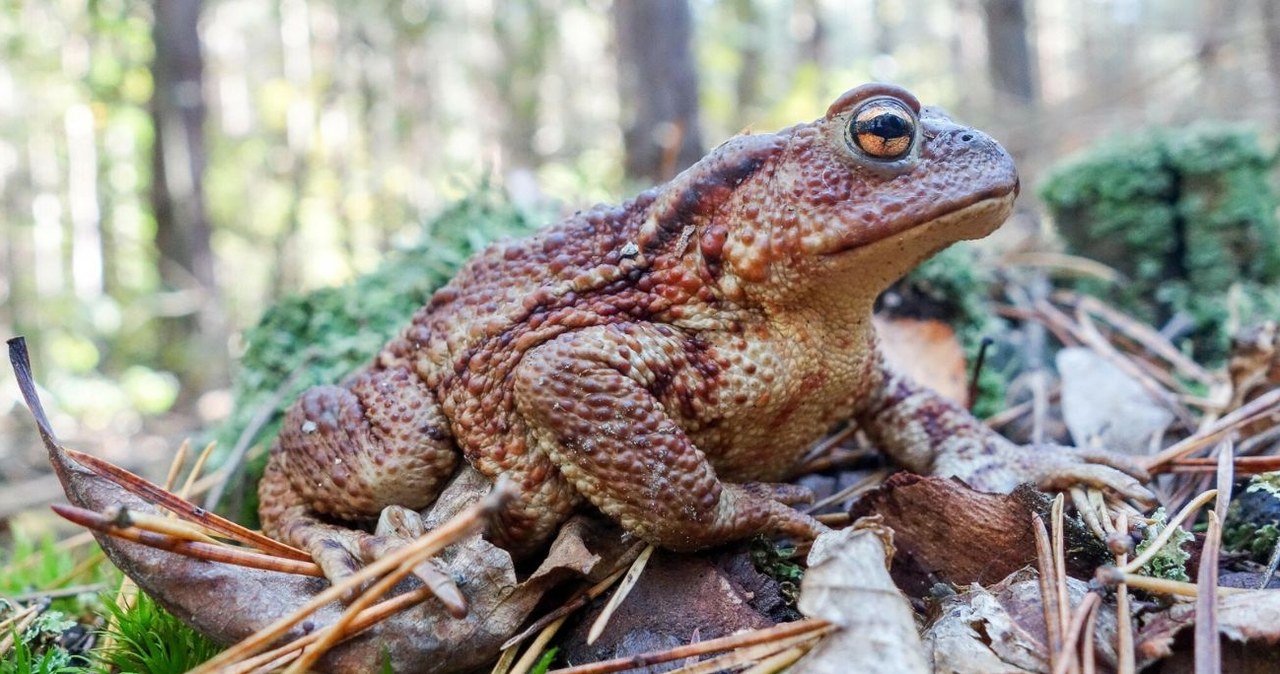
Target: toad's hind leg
[(346, 453), (587, 398)]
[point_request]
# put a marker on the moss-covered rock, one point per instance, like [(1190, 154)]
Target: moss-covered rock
[(1186, 215)]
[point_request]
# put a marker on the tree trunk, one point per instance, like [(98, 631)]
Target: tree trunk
[(1271, 27), (194, 342), (658, 86), (1009, 49)]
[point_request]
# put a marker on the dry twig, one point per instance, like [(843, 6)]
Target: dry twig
[(810, 628)]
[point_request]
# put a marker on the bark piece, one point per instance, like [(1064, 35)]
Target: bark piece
[(946, 532)]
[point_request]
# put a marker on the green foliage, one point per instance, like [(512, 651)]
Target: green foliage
[(1171, 561), (1252, 525), (25, 658), (20, 574), (1186, 215), (48, 645), (323, 336), (544, 661), (149, 640), (779, 563)]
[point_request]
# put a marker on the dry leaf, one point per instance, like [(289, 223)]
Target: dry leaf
[(848, 584), (1001, 630), (928, 352), (1105, 408), (1242, 617), (228, 603)]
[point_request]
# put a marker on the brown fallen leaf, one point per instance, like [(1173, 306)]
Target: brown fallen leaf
[(1243, 617), (1001, 629), (928, 351), (848, 584), (229, 603)]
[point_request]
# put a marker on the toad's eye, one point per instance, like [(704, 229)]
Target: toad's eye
[(883, 129)]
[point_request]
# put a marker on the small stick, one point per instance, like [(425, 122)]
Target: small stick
[(1208, 648), (55, 594), (275, 658), (1110, 575), (19, 624), (1263, 405), (742, 656), (1078, 620), (581, 599), (1154, 549), (123, 518), (1089, 660), (186, 510), (212, 552), (1124, 625), (1140, 332), (454, 528), (867, 483), (624, 588), (1049, 598), (537, 646), (201, 460), (811, 626), (1060, 579), (1093, 338), (778, 661), (1241, 465), (179, 458)]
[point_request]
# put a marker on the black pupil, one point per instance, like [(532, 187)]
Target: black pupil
[(887, 125)]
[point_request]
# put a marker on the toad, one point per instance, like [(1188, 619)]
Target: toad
[(667, 362)]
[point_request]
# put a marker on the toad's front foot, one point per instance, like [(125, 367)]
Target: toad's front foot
[(1000, 466)]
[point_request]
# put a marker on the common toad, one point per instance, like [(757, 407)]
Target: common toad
[(666, 361)]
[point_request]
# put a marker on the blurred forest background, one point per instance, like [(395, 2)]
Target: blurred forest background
[(169, 169)]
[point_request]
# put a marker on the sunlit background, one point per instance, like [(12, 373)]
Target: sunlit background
[(302, 139)]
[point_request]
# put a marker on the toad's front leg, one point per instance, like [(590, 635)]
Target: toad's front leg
[(588, 397), (931, 435)]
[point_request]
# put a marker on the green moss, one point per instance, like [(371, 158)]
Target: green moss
[(1171, 561), (1186, 215), (779, 562), (149, 640), (1252, 525), (544, 661), (55, 640)]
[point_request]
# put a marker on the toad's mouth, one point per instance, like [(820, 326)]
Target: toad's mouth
[(946, 223)]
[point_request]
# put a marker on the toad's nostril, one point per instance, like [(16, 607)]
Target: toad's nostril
[(966, 137)]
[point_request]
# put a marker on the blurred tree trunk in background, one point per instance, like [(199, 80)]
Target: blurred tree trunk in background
[(1218, 33), (523, 38), (813, 40), (658, 87), (1009, 49), (751, 49), (1271, 25), (194, 339)]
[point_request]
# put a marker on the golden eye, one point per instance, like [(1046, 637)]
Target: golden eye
[(883, 129)]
